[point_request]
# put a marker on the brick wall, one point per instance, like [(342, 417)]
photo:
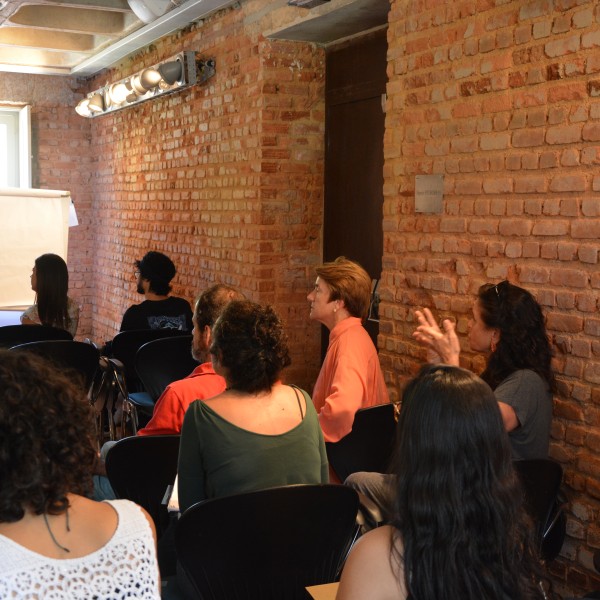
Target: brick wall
[(503, 99), (225, 177), (60, 142)]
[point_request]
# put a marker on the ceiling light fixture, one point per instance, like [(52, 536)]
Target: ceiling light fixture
[(171, 75)]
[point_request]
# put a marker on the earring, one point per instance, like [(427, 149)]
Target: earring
[(493, 345)]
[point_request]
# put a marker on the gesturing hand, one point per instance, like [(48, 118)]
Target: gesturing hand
[(443, 343)]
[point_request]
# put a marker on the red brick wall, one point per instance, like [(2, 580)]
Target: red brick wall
[(225, 177), (61, 160), (503, 99)]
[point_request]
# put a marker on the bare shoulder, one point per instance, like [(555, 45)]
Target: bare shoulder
[(371, 570)]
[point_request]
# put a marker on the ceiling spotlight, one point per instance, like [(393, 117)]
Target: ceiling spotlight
[(171, 71), (150, 78), (96, 103), (83, 108), (171, 75), (119, 92)]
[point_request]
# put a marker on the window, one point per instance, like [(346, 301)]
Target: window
[(15, 147)]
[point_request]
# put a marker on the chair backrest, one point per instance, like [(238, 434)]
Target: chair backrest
[(126, 344), (140, 468), (79, 356), (269, 544), (368, 446), (160, 362), (11, 335), (541, 479)]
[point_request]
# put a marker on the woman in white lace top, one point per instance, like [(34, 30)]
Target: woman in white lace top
[(54, 541)]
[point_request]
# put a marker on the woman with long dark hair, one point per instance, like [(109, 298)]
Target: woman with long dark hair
[(53, 307), (508, 327), (459, 529)]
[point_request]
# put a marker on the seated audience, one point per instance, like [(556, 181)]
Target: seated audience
[(258, 433), (53, 307), (459, 528), (508, 327), (54, 541), (203, 382), (158, 310), (351, 376)]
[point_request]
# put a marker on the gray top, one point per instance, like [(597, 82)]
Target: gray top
[(531, 399)]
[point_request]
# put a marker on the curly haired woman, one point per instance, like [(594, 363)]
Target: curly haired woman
[(259, 433), (55, 542)]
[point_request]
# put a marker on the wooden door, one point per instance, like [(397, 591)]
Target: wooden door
[(354, 127)]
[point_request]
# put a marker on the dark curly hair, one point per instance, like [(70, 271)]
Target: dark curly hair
[(158, 269), (523, 340), (46, 433), (462, 531), (249, 341), (52, 284)]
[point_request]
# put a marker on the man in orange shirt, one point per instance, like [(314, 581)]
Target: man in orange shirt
[(202, 382)]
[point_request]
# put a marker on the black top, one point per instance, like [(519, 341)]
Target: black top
[(172, 313)]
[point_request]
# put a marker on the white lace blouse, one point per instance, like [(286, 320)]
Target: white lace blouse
[(125, 567), (72, 308)]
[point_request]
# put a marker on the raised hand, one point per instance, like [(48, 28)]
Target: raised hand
[(442, 344)]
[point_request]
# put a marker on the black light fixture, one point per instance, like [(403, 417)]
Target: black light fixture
[(306, 3), (171, 75)]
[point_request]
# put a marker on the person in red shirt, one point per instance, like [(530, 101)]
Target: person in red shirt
[(202, 382)]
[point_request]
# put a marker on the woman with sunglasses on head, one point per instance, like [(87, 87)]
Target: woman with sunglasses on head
[(459, 528), (508, 327)]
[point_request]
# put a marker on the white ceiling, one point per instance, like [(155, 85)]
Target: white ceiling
[(82, 37)]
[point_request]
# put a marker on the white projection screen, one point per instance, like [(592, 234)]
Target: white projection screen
[(32, 222)]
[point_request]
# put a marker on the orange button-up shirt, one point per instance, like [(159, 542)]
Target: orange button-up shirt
[(350, 379)]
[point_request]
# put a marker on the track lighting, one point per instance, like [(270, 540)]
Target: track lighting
[(171, 75)]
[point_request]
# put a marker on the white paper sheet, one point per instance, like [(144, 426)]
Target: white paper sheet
[(32, 222)]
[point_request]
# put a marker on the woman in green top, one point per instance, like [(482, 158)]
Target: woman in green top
[(258, 433)]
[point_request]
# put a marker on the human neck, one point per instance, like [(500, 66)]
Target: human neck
[(154, 297)]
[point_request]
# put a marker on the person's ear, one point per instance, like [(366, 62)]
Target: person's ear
[(207, 336)]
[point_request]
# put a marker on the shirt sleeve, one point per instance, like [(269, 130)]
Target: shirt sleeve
[(126, 322), (167, 416), (348, 388), (190, 471), (31, 313), (520, 391)]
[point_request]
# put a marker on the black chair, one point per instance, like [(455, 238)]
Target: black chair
[(160, 362), (79, 356), (541, 479), (141, 468), (125, 345), (13, 335), (268, 544), (368, 446)]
